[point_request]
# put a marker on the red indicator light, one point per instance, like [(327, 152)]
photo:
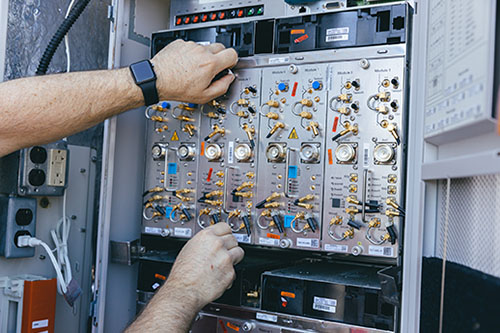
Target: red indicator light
[(204, 17), (179, 21), (196, 19), (222, 15), (187, 20), (240, 13), (213, 17)]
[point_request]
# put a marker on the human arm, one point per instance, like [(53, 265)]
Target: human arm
[(202, 272), (43, 109)]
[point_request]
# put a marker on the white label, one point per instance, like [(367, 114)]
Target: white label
[(40, 323), (336, 38), (230, 153), (266, 317), (269, 241), (325, 304), (154, 231), (203, 43), (279, 60), (366, 155), (324, 308), (380, 251), (242, 238), (308, 242), (155, 286), (183, 232), (337, 31), (336, 248)]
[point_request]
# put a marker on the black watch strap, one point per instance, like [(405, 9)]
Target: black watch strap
[(150, 93)]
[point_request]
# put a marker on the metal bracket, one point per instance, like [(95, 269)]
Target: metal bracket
[(126, 252), (390, 281)]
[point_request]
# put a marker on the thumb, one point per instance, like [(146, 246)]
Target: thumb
[(219, 87)]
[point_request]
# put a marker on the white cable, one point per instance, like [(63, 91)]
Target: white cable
[(60, 237), (25, 241), (66, 40)]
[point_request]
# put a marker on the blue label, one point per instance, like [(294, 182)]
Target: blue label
[(168, 212), (292, 172), (172, 168), (288, 221)]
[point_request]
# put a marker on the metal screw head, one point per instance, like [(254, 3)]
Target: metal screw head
[(293, 69), (82, 170), (73, 217), (364, 63), (42, 257)]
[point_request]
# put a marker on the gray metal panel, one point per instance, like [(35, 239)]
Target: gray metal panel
[(31, 25), (474, 223), (80, 194)]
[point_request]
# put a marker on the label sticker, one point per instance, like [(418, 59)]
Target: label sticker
[(269, 241), (294, 90), (40, 323), (281, 60), (288, 221), (202, 150), (337, 31), (266, 317), (335, 124), (292, 171), (172, 168), (325, 304), (297, 31), (293, 134), (183, 232), (330, 157), (230, 153), (168, 211), (161, 277), (366, 155), (287, 294), (273, 236), (242, 238), (384, 251), (154, 231), (308, 242), (175, 137), (155, 286), (233, 327), (336, 38), (336, 248), (301, 39)]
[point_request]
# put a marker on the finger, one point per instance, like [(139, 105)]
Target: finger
[(220, 86), (215, 48), (229, 241), (227, 58), (221, 229), (236, 254)]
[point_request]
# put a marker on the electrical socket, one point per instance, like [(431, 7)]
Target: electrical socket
[(57, 167)]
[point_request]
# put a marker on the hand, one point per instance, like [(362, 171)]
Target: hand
[(185, 71), (204, 267)]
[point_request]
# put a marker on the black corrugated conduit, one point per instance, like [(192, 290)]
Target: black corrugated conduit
[(63, 29)]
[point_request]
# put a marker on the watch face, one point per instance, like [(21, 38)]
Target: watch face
[(143, 72)]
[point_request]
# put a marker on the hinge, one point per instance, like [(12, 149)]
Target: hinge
[(111, 13)]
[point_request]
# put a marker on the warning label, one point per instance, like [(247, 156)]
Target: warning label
[(175, 137), (293, 134)]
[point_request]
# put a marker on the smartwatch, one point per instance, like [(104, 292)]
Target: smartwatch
[(145, 77)]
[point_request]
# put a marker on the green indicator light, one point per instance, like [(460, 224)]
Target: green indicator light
[(260, 11), (251, 11)]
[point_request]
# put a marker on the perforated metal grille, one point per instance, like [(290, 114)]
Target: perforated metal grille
[(474, 223)]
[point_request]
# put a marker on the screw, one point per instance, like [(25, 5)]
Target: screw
[(94, 159), (44, 202), (83, 230), (82, 170), (73, 217), (42, 257)]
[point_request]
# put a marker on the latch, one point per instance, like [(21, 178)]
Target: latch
[(126, 252), (390, 281)]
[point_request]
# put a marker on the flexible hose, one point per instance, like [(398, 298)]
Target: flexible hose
[(63, 29)]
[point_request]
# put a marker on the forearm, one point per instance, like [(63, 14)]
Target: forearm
[(46, 108), (171, 310)]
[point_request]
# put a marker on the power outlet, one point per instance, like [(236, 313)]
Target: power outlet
[(57, 167)]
